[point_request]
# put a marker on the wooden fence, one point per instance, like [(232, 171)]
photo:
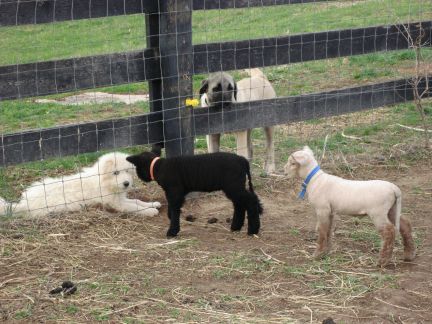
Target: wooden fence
[(171, 57)]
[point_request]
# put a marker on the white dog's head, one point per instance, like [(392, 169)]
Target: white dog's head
[(300, 163), (116, 173)]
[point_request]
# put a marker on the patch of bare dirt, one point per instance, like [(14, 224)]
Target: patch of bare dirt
[(92, 98)]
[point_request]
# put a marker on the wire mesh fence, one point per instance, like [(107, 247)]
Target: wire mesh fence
[(84, 84)]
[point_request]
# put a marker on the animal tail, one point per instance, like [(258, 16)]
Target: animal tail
[(260, 206), (395, 211), (251, 189)]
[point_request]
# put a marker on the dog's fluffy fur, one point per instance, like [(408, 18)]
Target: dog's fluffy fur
[(221, 89), (206, 172), (106, 182), (331, 195)]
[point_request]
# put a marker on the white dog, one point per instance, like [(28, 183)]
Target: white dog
[(331, 195), (220, 88), (106, 182)]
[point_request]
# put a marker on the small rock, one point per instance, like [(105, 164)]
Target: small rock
[(212, 220), (190, 218), (67, 288), (18, 236), (67, 284), (329, 321), (56, 290), (228, 220)]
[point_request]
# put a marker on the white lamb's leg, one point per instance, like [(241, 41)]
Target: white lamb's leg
[(213, 143), (242, 144), (270, 166)]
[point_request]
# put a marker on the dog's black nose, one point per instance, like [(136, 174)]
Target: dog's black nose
[(126, 183)]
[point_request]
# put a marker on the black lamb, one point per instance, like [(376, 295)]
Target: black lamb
[(205, 172)]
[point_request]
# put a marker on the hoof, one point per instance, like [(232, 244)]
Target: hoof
[(382, 263), (320, 254), (409, 255), (253, 232), (236, 228), (171, 233)]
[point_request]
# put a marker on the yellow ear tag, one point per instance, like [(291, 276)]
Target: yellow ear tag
[(192, 102)]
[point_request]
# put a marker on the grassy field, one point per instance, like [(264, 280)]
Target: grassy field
[(89, 37)]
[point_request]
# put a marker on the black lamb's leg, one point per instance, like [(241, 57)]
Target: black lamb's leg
[(175, 202), (239, 217), (253, 211), (239, 209), (169, 211)]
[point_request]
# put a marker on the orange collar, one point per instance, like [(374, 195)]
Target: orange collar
[(152, 164)]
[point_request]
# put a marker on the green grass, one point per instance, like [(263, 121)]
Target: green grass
[(366, 233), (32, 43), (328, 276), (18, 115), (23, 313), (72, 309), (238, 264)]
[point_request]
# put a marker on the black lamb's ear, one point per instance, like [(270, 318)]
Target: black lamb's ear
[(156, 149), (235, 91), (204, 87), (133, 159)]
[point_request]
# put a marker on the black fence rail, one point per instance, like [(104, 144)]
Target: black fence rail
[(143, 129), (171, 57), (52, 77)]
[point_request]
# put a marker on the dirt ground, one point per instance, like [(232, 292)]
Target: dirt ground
[(127, 271)]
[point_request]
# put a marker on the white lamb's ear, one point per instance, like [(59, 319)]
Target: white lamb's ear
[(308, 150), (301, 157)]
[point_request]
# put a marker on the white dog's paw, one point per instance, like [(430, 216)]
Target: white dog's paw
[(156, 204), (150, 212)]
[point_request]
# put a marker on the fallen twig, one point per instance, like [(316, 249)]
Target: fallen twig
[(269, 257), (351, 137), (400, 307), (167, 243), (311, 313), (414, 128), (126, 308)]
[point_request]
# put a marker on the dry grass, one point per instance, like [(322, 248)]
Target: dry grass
[(126, 271)]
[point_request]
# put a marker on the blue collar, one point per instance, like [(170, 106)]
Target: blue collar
[(307, 180)]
